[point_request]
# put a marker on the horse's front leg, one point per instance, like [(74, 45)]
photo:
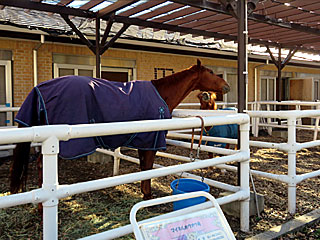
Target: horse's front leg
[(146, 163)]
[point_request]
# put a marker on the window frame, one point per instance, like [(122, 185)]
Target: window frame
[(268, 90), (75, 67), (8, 90)]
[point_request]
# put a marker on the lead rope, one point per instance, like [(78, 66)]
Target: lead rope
[(192, 159), (199, 146)]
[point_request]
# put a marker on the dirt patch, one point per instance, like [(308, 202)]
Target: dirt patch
[(85, 214)]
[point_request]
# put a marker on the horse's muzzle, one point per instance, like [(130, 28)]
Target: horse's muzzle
[(225, 89)]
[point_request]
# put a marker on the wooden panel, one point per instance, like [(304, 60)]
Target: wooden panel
[(301, 89)]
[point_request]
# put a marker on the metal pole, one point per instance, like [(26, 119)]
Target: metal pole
[(242, 62), (98, 60), (279, 85), (242, 55)]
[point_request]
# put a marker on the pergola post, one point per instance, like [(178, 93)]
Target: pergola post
[(280, 65), (242, 62), (242, 55), (279, 82), (98, 56), (100, 45), (242, 16)]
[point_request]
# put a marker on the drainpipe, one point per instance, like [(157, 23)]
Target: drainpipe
[(35, 61), (255, 121), (256, 79)]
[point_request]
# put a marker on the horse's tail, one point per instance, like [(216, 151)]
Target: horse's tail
[(19, 167)]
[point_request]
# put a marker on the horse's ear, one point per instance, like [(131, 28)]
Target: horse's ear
[(213, 95), (198, 62)]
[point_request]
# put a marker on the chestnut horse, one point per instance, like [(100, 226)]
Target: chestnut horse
[(207, 102), (172, 89)]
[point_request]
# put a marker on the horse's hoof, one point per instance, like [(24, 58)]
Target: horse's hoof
[(147, 197)]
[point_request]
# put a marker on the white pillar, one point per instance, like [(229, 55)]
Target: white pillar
[(244, 177), (316, 125), (292, 165), (50, 149), (116, 162), (269, 120)]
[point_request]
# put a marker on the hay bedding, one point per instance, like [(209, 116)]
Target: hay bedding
[(90, 213)]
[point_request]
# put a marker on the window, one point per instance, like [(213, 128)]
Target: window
[(6, 119), (316, 94), (117, 74), (162, 72), (232, 79), (230, 75), (70, 69), (267, 89)]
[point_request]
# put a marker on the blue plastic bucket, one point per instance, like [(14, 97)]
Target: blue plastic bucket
[(186, 185)]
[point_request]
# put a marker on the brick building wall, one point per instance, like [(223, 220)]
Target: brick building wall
[(146, 62)]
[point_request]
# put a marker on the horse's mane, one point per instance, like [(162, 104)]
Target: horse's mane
[(174, 88)]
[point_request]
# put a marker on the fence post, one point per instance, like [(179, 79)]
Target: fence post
[(116, 162), (244, 177), (292, 185), (50, 150), (258, 107), (316, 125), (269, 120)]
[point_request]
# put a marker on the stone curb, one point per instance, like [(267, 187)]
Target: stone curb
[(291, 226)]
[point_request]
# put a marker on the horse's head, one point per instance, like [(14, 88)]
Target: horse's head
[(208, 81), (207, 100)]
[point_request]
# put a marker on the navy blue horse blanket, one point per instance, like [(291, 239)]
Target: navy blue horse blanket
[(81, 100), (223, 131)]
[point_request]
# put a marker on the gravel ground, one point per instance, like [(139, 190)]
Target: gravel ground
[(98, 211)]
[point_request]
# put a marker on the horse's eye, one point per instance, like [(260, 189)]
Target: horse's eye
[(211, 71)]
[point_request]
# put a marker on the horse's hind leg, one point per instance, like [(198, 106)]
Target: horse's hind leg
[(146, 163), (40, 179), (19, 167)]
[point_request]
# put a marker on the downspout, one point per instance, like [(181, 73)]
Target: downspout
[(256, 79), (255, 129), (35, 61)]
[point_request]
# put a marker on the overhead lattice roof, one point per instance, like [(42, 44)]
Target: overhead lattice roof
[(288, 23)]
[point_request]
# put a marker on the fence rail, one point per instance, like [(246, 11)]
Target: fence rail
[(51, 191)]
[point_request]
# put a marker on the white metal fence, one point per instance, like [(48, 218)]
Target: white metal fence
[(291, 147), (51, 191), (291, 118), (267, 122)]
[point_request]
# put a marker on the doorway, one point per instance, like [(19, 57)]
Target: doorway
[(117, 74), (6, 118)]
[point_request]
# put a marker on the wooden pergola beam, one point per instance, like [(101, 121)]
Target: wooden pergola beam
[(289, 56), (211, 6), (78, 32), (114, 38), (64, 2), (108, 29), (60, 9), (91, 4), (273, 59), (115, 7)]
